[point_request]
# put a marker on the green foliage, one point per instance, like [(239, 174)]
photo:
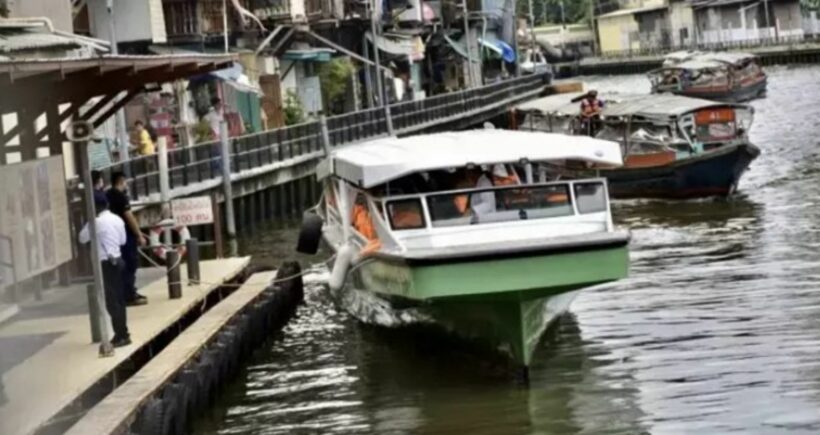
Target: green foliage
[(549, 11), (334, 77), (294, 112), (810, 5)]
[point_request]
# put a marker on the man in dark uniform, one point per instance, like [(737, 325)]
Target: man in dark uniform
[(120, 205)]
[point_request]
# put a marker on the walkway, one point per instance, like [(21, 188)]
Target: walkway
[(48, 361)]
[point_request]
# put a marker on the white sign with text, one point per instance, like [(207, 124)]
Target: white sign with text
[(193, 211)]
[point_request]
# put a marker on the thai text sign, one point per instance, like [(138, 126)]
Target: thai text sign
[(33, 218), (193, 211)]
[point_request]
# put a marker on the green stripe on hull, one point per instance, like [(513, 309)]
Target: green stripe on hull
[(506, 302), (518, 278)]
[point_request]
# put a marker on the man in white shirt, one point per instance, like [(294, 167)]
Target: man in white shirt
[(110, 236), (483, 202)]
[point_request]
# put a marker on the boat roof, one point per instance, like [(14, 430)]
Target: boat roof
[(700, 60), (728, 57), (376, 162), (660, 106)]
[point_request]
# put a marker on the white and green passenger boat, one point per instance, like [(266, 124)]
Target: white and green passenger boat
[(453, 229)]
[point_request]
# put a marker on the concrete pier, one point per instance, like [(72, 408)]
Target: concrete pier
[(161, 396), (57, 372)]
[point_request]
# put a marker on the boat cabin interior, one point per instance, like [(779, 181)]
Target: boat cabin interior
[(429, 208)]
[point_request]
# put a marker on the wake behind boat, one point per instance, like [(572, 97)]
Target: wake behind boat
[(675, 147), (453, 229)]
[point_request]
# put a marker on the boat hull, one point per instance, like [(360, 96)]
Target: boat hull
[(714, 173), (503, 303), (736, 95)]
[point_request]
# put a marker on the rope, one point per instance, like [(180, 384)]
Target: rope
[(274, 281)]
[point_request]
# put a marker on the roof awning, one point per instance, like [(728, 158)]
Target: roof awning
[(309, 54), (400, 45), (459, 48), (235, 77)]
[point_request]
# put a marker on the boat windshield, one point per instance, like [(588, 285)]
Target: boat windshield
[(516, 203)]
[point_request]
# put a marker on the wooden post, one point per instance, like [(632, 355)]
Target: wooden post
[(217, 226), (226, 181)]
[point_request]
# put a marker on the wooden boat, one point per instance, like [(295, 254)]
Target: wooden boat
[(732, 77), (674, 147), (495, 264)]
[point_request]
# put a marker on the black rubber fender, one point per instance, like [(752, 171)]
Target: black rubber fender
[(209, 375), (180, 394), (220, 366), (310, 233), (149, 419), (170, 416), (230, 351), (194, 383), (243, 328)]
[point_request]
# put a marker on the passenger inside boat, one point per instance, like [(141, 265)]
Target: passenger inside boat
[(512, 203)]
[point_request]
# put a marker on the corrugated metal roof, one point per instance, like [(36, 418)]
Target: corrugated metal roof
[(650, 106), (27, 39), (621, 12)]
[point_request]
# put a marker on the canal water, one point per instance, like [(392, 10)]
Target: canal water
[(717, 330)]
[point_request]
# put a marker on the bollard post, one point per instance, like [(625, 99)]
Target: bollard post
[(389, 118), (192, 246), (93, 307), (227, 189), (164, 185), (325, 134), (174, 277)]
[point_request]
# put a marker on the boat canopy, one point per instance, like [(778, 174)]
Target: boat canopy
[(658, 106), (376, 162), (729, 57), (701, 61)]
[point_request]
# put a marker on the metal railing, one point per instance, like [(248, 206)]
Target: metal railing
[(202, 162)]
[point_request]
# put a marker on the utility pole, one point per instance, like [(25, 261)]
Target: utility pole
[(532, 27), (766, 12), (515, 38), (119, 117), (376, 58), (467, 36), (225, 24)]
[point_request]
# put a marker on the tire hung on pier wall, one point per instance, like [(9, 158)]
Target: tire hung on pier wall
[(158, 417), (310, 233), (180, 394)]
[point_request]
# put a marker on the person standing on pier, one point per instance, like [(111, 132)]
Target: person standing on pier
[(110, 236), (121, 206)]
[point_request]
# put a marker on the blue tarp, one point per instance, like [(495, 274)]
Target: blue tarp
[(502, 48)]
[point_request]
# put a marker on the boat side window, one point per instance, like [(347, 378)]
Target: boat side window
[(406, 214), (715, 124), (511, 204), (590, 197)]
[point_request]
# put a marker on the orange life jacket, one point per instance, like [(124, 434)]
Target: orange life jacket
[(362, 222)]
